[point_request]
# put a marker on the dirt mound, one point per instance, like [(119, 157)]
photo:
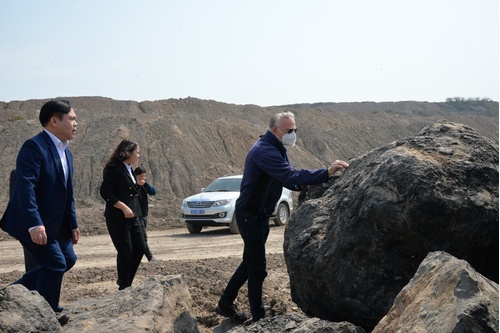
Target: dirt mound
[(186, 143)]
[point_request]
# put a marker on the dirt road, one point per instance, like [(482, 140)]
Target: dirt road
[(173, 244), (207, 260)]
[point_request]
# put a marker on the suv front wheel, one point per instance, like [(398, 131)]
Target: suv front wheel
[(282, 215), (194, 229)]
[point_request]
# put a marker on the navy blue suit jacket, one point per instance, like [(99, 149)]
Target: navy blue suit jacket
[(41, 195)]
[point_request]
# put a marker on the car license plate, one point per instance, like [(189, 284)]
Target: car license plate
[(197, 211)]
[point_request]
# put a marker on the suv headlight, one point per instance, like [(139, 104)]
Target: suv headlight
[(184, 203), (222, 202)]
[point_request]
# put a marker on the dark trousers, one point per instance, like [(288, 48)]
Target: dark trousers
[(147, 251), (52, 261), (254, 230), (128, 238), (29, 261)]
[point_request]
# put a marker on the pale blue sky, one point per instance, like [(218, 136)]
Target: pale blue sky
[(260, 52)]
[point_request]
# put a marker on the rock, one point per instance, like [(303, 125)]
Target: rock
[(446, 295), (22, 310), (297, 323), (352, 247), (158, 304)]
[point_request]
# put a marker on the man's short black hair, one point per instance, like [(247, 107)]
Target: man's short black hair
[(55, 107)]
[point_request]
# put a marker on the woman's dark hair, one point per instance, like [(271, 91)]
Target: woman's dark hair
[(53, 108), (122, 152)]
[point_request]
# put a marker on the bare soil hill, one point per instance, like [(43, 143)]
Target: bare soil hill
[(186, 143)]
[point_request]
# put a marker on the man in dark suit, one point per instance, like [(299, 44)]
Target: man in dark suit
[(29, 262), (41, 212)]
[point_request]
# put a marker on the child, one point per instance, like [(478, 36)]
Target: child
[(144, 190)]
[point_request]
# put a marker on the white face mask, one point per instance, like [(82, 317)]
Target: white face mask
[(288, 140)]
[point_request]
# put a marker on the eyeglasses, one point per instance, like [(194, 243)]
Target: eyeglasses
[(289, 131)]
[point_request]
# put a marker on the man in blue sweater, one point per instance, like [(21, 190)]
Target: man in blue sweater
[(266, 171)]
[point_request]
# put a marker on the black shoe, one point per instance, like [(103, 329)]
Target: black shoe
[(231, 312), (63, 320)]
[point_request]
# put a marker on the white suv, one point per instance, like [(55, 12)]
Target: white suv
[(214, 206)]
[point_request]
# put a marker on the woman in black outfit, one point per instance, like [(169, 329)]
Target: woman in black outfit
[(123, 211)]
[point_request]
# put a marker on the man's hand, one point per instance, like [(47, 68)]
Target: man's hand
[(75, 236), (38, 235), (336, 166)]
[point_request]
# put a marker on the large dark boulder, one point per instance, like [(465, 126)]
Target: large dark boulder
[(353, 245)]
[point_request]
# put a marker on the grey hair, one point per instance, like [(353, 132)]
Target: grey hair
[(276, 119)]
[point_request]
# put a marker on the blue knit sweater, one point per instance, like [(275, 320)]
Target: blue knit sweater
[(267, 170)]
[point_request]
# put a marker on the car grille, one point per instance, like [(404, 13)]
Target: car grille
[(201, 217), (200, 204)]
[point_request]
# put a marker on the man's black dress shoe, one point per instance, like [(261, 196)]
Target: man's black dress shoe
[(63, 319), (231, 311)]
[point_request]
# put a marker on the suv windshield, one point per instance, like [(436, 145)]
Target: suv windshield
[(224, 185)]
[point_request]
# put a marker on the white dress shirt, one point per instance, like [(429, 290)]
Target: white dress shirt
[(61, 147), (130, 172)]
